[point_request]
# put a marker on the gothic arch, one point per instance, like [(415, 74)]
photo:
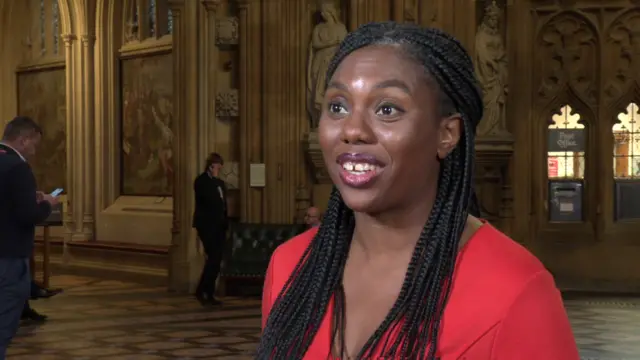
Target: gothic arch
[(632, 94), (571, 14), (575, 61), (568, 96)]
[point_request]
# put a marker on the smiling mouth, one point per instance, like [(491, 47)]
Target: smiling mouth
[(359, 168), (359, 174)]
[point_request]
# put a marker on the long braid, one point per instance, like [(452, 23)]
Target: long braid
[(302, 304)]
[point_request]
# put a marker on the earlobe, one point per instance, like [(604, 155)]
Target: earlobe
[(450, 130)]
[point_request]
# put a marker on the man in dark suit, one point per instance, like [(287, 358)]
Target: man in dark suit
[(210, 221), (21, 208)]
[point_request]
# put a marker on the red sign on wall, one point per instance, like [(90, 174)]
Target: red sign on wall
[(552, 167)]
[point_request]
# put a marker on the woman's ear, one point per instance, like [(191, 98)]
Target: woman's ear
[(449, 133)]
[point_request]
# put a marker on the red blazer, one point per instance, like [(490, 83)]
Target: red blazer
[(503, 304)]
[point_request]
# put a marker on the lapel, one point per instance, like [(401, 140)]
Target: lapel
[(4, 149)]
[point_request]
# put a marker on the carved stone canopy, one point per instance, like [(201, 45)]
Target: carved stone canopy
[(494, 150), (493, 156), (313, 154)]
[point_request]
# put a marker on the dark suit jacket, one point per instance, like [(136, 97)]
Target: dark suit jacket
[(19, 210), (211, 208)]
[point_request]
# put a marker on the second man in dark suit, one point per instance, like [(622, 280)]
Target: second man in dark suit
[(21, 209), (210, 221)]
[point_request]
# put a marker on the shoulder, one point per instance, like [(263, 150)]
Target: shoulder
[(492, 273), (14, 164), (496, 255), (199, 178), (286, 257)]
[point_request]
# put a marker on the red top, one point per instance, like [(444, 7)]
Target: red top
[(503, 304)]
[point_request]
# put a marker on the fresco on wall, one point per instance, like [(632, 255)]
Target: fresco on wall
[(147, 113), (41, 96)]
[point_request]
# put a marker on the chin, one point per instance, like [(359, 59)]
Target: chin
[(362, 201)]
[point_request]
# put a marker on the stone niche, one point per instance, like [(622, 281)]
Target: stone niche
[(313, 154)]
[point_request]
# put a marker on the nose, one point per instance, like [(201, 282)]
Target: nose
[(356, 128)]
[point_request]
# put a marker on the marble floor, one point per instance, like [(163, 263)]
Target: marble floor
[(99, 319)]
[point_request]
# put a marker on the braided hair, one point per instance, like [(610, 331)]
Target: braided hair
[(317, 278)]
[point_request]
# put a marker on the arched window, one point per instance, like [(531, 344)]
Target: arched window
[(49, 28), (148, 19), (43, 28), (626, 144), (626, 163), (56, 26), (566, 165), (563, 132)]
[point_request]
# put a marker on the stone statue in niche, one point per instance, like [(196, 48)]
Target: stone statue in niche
[(325, 38), (492, 71)]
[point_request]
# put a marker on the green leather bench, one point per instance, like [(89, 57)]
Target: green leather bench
[(250, 247)]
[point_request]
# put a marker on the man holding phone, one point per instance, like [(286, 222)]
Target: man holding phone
[(21, 209)]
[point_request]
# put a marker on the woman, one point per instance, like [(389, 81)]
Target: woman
[(398, 269)]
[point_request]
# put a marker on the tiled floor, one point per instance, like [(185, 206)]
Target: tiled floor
[(97, 319), (606, 329)]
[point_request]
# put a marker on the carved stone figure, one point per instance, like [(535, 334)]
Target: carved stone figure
[(492, 71), (326, 37)]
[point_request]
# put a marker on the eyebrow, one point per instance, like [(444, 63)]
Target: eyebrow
[(393, 83)]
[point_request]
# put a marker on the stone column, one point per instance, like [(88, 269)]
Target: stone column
[(184, 265), (208, 65), (80, 144), (250, 108), (287, 30), (70, 220), (88, 139)]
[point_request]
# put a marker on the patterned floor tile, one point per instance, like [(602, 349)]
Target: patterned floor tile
[(96, 319)]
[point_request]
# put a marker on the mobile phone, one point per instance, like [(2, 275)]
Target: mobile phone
[(57, 192)]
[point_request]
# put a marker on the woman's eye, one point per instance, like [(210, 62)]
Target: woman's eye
[(388, 111), (337, 108)]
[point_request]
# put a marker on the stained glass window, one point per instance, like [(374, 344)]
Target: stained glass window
[(152, 18), (566, 135), (170, 23), (626, 144), (56, 26), (43, 43)]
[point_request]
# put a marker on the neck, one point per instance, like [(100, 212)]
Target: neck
[(394, 231)]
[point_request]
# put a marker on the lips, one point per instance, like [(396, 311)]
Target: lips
[(359, 170)]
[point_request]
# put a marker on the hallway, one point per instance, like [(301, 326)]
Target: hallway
[(99, 319)]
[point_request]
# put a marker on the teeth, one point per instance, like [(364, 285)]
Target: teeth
[(358, 167)]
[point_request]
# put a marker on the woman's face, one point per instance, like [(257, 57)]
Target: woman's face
[(381, 133)]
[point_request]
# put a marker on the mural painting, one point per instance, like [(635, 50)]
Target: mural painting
[(41, 96), (147, 113)]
